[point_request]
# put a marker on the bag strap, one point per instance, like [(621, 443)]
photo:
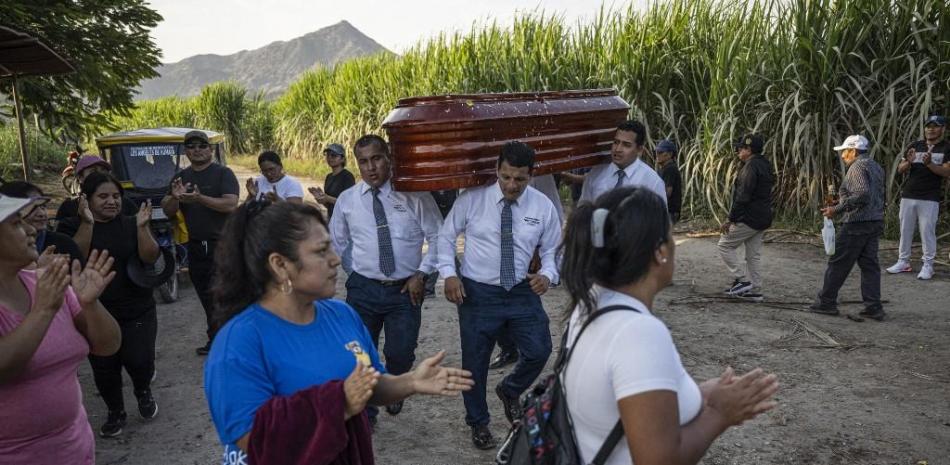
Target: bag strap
[(609, 444), (563, 356)]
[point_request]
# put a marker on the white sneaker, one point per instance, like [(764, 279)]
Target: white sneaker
[(900, 267), (926, 272)]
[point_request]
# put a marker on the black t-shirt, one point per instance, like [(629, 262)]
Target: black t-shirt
[(123, 298), (335, 184), (671, 178), (64, 245), (70, 208), (204, 224), (923, 184)]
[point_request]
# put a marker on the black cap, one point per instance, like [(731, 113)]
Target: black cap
[(196, 134), (753, 141), (336, 149)]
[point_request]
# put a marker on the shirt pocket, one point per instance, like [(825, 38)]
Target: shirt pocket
[(403, 224), (528, 230)]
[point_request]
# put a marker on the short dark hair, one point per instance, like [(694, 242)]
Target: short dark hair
[(635, 127), (371, 139), (637, 223), (255, 230), (20, 189), (271, 156), (517, 154), (96, 179)]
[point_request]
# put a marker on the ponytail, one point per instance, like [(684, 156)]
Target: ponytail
[(251, 234), (630, 224)]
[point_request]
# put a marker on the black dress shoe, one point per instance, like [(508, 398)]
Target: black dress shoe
[(482, 438), (874, 314), (503, 359), (394, 408), (512, 405), (823, 309)]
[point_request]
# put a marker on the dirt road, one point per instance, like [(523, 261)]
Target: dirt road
[(852, 393)]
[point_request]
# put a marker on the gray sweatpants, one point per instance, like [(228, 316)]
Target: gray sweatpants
[(739, 234), (919, 214)]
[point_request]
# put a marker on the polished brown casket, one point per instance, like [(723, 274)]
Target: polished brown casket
[(453, 141)]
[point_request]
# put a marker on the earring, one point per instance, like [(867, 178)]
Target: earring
[(663, 260), (287, 286)]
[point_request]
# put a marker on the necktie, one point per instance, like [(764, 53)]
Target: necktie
[(387, 263), (620, 175), (507, 248)]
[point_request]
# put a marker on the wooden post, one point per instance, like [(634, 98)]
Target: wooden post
[(19, 124)]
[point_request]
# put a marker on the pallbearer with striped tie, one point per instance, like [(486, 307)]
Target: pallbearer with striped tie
[(503, 223), (386, 230)]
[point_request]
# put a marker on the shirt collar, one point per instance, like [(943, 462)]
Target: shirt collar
[(630, 169), (385, 189), (608, 297)]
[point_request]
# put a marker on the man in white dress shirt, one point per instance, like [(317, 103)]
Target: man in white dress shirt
[(626, 168), (503, 223), (386, 230)]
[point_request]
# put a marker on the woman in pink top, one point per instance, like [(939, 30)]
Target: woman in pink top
[(49, 321)]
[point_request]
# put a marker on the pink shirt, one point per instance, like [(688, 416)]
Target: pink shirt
[(42, 419)]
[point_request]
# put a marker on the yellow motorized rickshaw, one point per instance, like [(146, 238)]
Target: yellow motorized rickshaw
[(145, 161)]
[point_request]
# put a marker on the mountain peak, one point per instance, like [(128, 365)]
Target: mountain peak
[(270, 68)]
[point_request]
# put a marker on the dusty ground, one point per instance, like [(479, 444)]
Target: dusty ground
[(853, 393)]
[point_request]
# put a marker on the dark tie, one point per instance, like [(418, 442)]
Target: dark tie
[(620, 175), (387, 263), (507, 248)]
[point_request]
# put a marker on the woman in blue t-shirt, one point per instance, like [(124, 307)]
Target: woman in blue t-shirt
[(283, 333)]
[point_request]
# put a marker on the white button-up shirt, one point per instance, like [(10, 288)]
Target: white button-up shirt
[(477, 214), (412, 218), (603, 178)]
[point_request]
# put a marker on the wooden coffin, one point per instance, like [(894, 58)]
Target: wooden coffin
[(453, 141)]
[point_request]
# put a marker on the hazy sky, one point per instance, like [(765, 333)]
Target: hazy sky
[(193, 27)]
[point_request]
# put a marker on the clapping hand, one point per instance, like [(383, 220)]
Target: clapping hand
[(144, 215), (88, 283), (191, 194), (738, 399), (358, 388), (85, 214), (251, 186), (272, 195), (432, 378), (51, 285), (47, 257), (318, 194), (178, 189)]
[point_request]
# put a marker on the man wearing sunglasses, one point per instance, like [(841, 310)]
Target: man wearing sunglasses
[(205, 192)]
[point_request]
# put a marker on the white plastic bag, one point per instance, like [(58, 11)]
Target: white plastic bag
[(828, 236)]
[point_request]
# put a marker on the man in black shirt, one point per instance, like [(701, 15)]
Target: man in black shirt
[(206, 193), (750, 216), (339, 179), (666, 166), (926, 163)]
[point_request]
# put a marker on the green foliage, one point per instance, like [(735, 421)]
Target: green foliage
[(108, 43), (45, 155), (804, 73)]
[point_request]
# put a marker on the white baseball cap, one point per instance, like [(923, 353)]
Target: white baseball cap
[(854, 142), (10, 206)]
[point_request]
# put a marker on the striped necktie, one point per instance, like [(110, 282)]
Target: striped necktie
[(620, 175), (387, 263), (507, 248)]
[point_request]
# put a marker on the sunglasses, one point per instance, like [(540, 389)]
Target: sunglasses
[(196, 146)]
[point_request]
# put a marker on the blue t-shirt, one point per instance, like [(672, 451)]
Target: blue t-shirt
[(258, 355)]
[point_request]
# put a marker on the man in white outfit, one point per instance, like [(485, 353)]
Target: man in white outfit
[(926, 163)]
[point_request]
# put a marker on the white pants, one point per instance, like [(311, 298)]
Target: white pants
[(923, 214), (742, 234)]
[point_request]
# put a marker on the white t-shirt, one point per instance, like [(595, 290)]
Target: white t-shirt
[(286, 187), (620, 354)]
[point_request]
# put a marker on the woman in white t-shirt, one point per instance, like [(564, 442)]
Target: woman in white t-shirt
[(273, 181), (620, 251)]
